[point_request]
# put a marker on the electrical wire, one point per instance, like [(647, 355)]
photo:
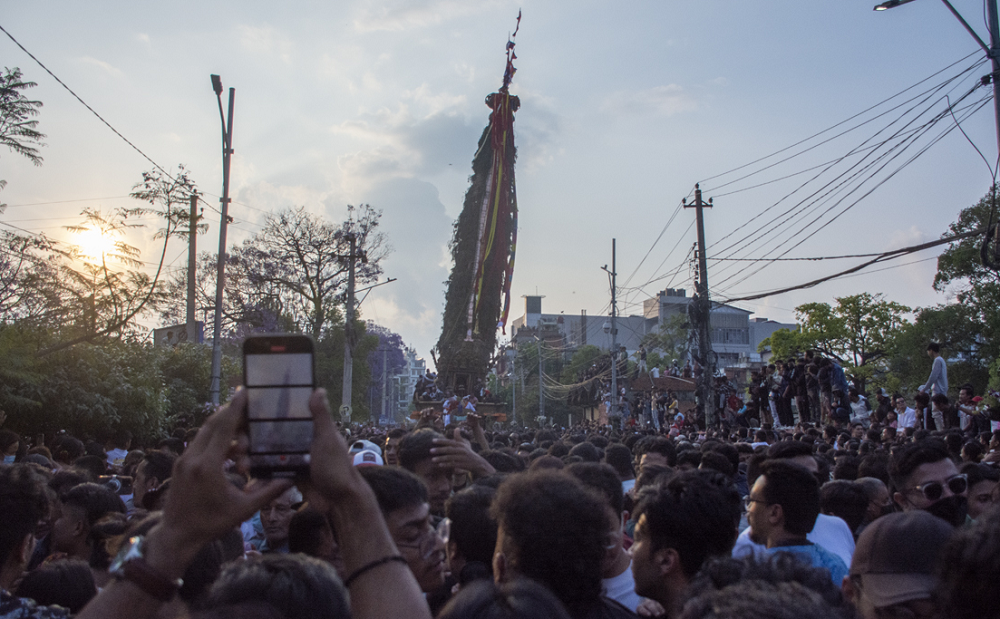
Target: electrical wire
[(92, 111)]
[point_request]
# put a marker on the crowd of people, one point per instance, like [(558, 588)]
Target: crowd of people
[(818, 517)]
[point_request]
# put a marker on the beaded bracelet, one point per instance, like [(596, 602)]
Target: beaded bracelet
[(367, 568)]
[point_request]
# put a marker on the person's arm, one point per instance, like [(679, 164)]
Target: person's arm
[(477, 431), (458, 454), (201, 506), (389, 589), (934, 377)]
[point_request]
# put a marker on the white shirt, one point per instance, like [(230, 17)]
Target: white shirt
[(908, 419), (621, 588), (116, 456), (830, 532)]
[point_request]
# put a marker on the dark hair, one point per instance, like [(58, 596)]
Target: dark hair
[(789, 449), (810, 583), (717, 462), (22, 494), (415, 447), (620, 457), (172, 444), (696, 513), (520, 599), (603, 479), (473, 529), (394, 488), (934, 346), (305, 531), (68, 583), (298, 586), (159, 464), (656, 444), (969, 564), (8, 438), (846, 500), (980, 472), (588, 451), (95, 465), (906, 460), (875, 465), (556, 530), (65, 479), (94, 499), (66, 449), (502, 461), (796, 491), (121, 439), (689, 456)]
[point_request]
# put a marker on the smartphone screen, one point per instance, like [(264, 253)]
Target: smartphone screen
[(279, 377)]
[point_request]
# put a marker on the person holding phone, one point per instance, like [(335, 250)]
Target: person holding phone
[(203, 506)]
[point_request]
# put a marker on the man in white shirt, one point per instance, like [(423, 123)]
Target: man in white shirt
[(906, 416)]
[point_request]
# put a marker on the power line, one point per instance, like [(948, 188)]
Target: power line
[(92, 111), (890, 255)]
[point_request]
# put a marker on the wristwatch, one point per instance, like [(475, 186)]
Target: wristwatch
[(130, 565)]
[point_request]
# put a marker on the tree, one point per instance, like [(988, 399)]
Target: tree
[(17, 127), (859, 331), (784, 343), (956, 327), (292, 275), (670, 343), (976, 286)]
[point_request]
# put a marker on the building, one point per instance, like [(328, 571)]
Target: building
[(735, 335), (571, 331), (406, 380)]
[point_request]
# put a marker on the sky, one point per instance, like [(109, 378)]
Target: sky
[(624, 107)]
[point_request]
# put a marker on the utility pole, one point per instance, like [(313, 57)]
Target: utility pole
[(220, 281), (541, 385), (704, 311), (192, 330), (613, 274), (349, 321), (513, 389), (385, 382)]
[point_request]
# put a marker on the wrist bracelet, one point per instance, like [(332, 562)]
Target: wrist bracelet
[(367, 568)]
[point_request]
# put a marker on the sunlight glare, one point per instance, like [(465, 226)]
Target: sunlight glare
[(94, 245)]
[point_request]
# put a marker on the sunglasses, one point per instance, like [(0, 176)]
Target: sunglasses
[(933, 490)]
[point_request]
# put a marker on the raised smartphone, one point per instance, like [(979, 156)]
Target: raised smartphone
[(279, 376)]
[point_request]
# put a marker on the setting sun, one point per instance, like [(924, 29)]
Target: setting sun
[(93, 244)]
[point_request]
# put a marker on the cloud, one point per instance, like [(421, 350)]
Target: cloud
[(108, 68), (418, 228), (661, 100), (399, 15), (265, 40), (400, 144)]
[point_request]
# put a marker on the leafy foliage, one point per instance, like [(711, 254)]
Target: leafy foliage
[(17, 127)]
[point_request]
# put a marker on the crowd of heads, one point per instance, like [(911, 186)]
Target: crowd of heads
[(828, 515)]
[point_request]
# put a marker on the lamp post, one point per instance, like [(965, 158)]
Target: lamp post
[(220, 281)]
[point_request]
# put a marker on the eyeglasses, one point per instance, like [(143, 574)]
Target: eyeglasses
[(750, 500), (934, 490), (427, 543)]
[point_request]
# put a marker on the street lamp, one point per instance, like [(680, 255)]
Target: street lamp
[(891, 4), (220, 281)]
